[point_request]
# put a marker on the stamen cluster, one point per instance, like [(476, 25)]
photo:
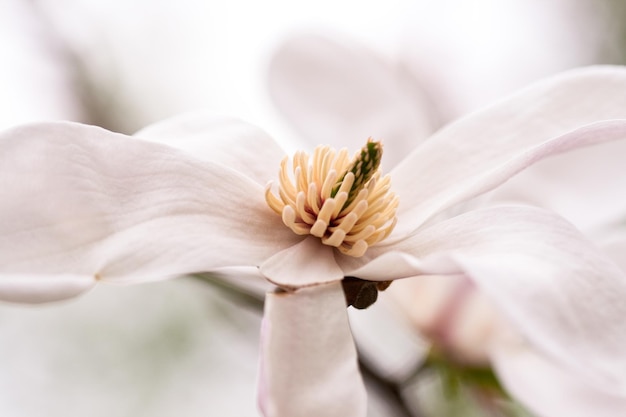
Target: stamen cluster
[(345, 203)]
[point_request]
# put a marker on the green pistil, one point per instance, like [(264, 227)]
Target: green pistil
[(363, 167)]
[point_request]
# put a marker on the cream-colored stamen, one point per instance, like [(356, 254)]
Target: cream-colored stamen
[(345, 203)]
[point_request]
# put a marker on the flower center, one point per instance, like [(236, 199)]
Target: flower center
[(344, 202)]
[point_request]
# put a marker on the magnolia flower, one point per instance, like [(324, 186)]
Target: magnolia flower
[(451, 310), (83, 205)]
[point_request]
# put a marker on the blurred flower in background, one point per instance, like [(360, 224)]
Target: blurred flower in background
[(469, 54), (172, 347), (148, 60), (36, 76)]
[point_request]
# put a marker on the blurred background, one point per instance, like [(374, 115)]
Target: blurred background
[(185, 347)]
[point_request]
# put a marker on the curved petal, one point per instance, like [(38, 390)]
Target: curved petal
[(43, 288), (308, 263), (308, 359), (221, 139), (80, 200), (483, 150), (561, 292), (547, 390), (584, 186), (342, 93)]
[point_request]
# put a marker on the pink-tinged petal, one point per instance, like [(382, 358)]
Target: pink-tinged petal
[(584, 186), (221, 139), (80, 200), (341, 93), (43, 288), (448, 311), (575, 109), (304, 264), (308, 359), (547, 390), (560, 291)]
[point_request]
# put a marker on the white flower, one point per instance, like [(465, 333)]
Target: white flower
[(583, 185), (82, 205)]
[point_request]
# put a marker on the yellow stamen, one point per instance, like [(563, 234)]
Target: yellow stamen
[(344, 203)]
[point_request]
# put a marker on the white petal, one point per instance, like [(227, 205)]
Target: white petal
[(308, 263), (560, 291), (483, 150), (343, 93), (547, 390), (43, 288), (222, 139), (308, 359), (79, 200), (584, 186)]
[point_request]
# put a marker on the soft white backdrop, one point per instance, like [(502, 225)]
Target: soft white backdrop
[(177, 348)]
